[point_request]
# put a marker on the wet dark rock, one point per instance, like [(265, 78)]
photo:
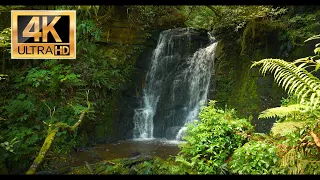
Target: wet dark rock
[(172, 132), (134, 154)]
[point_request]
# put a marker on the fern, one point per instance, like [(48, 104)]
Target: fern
[(290, 161), (316, 51), (296, 161), (313, 37), (283, 111), (296, 80)]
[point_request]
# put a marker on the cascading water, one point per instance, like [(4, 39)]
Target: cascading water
[(177, 84)]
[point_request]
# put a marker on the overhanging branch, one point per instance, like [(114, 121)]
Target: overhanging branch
[(215, 11)]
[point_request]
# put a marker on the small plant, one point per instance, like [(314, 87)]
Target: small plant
[(8, 146)]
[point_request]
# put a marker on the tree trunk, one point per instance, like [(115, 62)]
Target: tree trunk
[(44, 149)]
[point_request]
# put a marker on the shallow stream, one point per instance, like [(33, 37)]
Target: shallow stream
[(127, 148)]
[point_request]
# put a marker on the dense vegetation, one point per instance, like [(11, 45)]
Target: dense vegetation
[(50, 107)]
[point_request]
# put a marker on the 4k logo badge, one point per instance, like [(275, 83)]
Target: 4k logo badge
[(43, 34)]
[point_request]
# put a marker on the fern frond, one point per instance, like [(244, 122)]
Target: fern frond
[(283, 111), (296, 80), (292, 161), (289, 158), (297, 161), (313, 37)]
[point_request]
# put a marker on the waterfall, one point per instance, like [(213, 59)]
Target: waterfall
[(177, 84)]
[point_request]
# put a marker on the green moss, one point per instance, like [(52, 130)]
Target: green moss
[(224, 77), (238, 86), (245, 96), (80, 170), (245, 38), (259, 136), (44, 149), (106, 127)]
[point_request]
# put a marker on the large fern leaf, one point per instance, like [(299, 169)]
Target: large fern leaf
[(313, 37), (283, 111), (296, 80)]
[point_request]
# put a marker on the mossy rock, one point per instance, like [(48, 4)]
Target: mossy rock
[(259, 136)]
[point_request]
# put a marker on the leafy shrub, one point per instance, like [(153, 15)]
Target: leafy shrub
[(255, 157), (211, 140)]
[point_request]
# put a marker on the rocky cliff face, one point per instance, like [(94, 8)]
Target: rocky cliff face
[(133, 91), (121, 40), (238, 86)]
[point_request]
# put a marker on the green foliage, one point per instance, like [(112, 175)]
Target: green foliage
[(289, 149), (289, 100), (88, 30), (198, 16), (9, 8), (41, 92), (297, 142), (299, 153), (162, 17), (55, 78), (302, 25), (251, 26), (8, 146), (212, 140), (235, 17), (316, 57), (158, 166), (297, 162), (5, 38), (255, 157), (283, 111), (24, 122)]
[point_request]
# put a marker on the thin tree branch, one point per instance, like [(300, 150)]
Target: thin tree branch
[(215, 11), (315, 138)]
